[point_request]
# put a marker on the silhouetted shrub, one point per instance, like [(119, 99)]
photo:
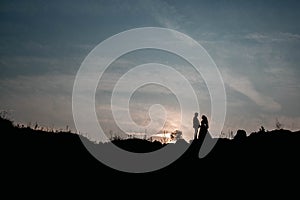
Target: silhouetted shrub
[(240, 135)]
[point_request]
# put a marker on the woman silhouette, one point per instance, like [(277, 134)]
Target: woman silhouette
[(204, 126)]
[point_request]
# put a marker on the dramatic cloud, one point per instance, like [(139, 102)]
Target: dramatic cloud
[(243, 85)]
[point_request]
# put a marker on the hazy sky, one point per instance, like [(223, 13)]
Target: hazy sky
[(255, 44)]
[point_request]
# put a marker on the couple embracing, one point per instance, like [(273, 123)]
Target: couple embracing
[(203, 126)]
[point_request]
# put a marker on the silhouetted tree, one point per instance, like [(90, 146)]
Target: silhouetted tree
[(230, 134), (111, 135), (262, 129), (36, 126), (3, 114), (278, 124), (68, 128), (176, 135)]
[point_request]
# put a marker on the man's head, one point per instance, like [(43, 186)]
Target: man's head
[(196, 114)]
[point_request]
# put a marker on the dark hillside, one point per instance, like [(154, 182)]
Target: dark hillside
[(42, 157)]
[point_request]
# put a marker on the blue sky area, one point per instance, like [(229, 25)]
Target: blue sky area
[(255, 44)]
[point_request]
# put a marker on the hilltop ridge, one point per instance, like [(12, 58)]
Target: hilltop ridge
[(28, 154)]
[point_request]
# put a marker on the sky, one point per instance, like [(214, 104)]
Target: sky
[(255, 45)]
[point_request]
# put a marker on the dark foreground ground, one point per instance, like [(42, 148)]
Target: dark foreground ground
[(265, 163)]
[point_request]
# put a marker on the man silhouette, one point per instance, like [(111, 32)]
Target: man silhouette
[(196, 125)]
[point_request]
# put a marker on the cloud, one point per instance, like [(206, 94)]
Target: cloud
[(286, 82), (262, 37), (165, 14), (244, 86), (44, 98)]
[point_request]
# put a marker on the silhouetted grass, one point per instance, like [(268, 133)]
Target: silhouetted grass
[(40, 156)]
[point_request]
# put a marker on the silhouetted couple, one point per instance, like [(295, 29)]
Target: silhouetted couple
[(203, 126)]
